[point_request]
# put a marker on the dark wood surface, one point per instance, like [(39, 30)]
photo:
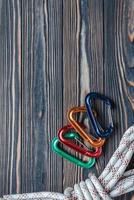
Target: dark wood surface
[(52, 53)]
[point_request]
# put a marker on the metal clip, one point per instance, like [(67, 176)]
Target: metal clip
[(55, 147), (81, 148), (92, 141), (96, 125)]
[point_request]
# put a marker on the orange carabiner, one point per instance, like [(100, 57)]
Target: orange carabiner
[(70, 115)]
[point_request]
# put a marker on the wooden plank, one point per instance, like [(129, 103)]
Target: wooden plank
[(91, 64), (83, 65), (42, 94), (10, 97), (71, 25), (118, 71)]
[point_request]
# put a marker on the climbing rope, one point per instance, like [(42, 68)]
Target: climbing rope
[(113, 181)]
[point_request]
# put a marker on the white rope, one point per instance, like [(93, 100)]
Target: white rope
[(113, 181)]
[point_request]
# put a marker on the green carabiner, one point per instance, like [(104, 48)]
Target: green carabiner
[(62, 153)]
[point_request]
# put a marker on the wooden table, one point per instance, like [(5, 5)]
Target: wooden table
[(52, 53)]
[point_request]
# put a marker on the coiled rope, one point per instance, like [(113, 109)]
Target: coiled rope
[(113, 181)]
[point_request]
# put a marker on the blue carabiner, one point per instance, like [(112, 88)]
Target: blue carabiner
[(96, 125)]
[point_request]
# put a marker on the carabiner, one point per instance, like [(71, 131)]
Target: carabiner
[(84, 149), (92, 141), (62, 153), (96, 125)]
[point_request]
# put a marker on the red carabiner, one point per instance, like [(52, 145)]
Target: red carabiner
[(72, 145)]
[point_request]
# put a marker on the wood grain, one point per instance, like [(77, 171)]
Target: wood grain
[(52, 53), (117, 69), (10, 97), (80, 63), (42, 94)]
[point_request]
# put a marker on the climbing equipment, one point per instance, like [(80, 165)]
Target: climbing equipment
[(62, 153), (80, 147), (94, 142), (96, 125)]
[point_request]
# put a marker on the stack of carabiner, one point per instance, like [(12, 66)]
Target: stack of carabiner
[(75, 132)]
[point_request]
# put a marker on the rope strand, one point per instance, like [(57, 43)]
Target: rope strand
[(113, 181)]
